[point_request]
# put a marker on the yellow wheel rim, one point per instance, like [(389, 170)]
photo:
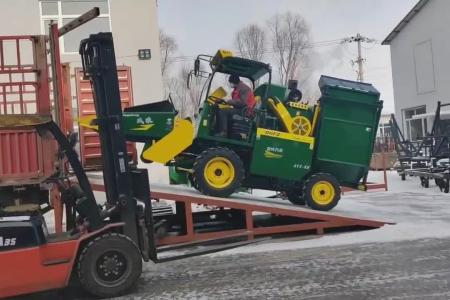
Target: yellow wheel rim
[(219, 172), (323, 192), (301, 126)]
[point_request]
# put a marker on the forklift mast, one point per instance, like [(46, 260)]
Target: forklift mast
[(124, 187)]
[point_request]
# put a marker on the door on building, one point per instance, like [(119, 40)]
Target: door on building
[(416, 127), (90, 151)]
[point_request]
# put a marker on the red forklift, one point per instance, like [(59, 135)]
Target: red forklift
[(103, 245)]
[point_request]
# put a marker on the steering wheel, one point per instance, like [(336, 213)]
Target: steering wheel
[(217, 100)]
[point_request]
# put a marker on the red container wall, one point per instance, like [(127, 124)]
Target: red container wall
[(89, 139), (25, 158), (21, 157)]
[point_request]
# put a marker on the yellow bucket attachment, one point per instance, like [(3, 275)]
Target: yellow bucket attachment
[(87, 122), (172, 144)]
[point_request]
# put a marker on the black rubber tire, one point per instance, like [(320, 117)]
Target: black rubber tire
[(295, 196), (109, 244), (403, 176), (446, 186), (193, 182), (200, 164), (308, 186)]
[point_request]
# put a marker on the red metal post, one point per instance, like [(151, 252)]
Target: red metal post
[(58, 207), (57, 77), (189, 219), (249, 224), (384, 170), (42, 77)]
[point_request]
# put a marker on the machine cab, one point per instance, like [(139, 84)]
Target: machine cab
[(274, 109), (216, 92)]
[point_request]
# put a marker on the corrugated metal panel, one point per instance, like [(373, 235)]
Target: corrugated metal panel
[(18, 156), (89, 141), (25, 158)]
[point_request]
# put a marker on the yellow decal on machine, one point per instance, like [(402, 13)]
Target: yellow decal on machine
[(273, 153), (285, 136), (143, 127)]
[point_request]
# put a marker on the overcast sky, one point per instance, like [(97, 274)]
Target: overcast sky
[(203, 26)]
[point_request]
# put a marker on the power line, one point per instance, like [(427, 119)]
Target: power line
[(320, 44), (359, 39)]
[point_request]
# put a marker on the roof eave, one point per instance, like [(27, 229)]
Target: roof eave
[(412, 13)]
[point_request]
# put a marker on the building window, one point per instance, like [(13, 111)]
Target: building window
[(64, 11), (416, 127)]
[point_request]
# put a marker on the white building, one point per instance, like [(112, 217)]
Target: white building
[(134, 26), (420, 48)]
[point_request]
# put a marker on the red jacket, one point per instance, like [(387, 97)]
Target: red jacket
[(242, 96)]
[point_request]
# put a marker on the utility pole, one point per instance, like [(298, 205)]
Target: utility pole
[(359, 60)]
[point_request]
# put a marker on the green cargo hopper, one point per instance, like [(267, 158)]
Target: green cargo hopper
[(346, 131)]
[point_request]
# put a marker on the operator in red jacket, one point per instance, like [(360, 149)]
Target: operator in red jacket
[(242, 98)]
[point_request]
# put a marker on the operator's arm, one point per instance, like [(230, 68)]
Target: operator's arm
[(241, 101)]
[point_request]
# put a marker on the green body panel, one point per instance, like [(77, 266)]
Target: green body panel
[(281, 158), (275, 91), (205, 123), (308, 113), (147, 126), (348, 123), (176, 177)]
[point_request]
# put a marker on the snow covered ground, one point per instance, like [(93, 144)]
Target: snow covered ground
[(408, 260), (417, 213)]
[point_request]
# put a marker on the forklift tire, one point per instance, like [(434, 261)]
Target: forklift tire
[(403, 176), (295, 196), (218, 172), (322, 192), (109, 265)]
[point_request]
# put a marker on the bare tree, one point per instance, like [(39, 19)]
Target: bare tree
[(290, 38), (251, 42), (168, 46), (186, 100)]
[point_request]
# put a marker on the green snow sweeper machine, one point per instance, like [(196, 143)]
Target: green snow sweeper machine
[(305, 151)]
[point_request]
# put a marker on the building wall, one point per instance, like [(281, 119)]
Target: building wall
[(141, 31), (134, 25), (19, 17), (420, 60)]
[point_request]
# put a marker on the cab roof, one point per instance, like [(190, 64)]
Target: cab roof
[(243, 67)]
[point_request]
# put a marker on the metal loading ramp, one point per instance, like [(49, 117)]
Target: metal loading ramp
[(246, 215), (196, 217)]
